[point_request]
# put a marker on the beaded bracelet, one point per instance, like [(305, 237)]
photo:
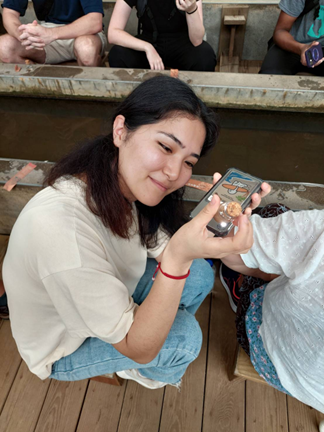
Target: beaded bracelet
[(189, 13), (158, 267)]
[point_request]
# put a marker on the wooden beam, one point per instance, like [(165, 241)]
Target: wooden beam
[(234, 20)]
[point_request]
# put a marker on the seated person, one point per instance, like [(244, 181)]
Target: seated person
[(300, 26), (170, 33), (85, 294), (67, 31), (280, 324)]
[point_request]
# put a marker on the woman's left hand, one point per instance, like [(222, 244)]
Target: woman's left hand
[(186, 5), (256, 197)]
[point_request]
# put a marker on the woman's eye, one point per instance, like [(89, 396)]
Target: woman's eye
[(190, 165), (167, 149)]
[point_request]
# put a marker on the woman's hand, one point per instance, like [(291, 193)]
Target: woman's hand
[(303, 56), (256, 197), (153, 58), (186, 5), (193, 240)]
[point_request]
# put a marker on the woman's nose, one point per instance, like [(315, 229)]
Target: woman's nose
[(172, 169)]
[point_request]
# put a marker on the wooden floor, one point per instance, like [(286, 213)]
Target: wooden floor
[(208, 401)]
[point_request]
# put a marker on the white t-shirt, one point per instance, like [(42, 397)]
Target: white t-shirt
[(67, 277), (292, 329)]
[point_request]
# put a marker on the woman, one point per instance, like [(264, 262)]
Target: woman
[(280, 315), (78, 271), (170, 33), (300, 26)]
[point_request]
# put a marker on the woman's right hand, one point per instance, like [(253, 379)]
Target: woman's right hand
[(303, 56), (153, 58), (193, 240)]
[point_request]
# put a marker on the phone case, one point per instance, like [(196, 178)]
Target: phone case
[(313, 55), (235, 185)]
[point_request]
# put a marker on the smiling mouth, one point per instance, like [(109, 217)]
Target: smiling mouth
[(159, 185)]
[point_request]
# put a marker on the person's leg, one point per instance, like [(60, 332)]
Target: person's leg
[(198, 285), (96, 357), (87, 50), (280, 62), (11, 51), (258, 355), (182, 55), (121, 57)]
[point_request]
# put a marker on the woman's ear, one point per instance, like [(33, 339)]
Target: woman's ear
[(119, 130)]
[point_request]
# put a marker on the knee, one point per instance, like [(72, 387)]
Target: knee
[(8, 46), (186, 336), (206, 58), (87, 50), (202, 276)]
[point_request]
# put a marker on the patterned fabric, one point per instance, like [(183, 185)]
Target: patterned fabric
[(259, 357), (251, 283), (249, 311)]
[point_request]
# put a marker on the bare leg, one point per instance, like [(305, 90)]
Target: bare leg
[(11, 51), (87, 50)]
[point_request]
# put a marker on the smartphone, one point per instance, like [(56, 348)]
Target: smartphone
[(313, 55), (235, 185)]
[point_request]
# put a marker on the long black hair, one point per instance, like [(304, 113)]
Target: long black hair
[(152, 101)]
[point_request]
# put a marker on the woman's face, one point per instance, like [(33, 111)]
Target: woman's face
[(157, 159)]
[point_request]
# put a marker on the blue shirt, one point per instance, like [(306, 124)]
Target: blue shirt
[(62, 11)]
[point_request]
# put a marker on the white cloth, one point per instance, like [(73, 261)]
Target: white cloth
[(68, 278), (292, 329)]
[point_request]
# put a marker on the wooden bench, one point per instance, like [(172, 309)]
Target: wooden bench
[(244, 369)]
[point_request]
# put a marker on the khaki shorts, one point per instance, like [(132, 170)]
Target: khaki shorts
[(63, 50)]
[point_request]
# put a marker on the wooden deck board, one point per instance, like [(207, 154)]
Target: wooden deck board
[(9, 363), (266, 409), (24, 402), (206, 403), (301, 417), (141, 411), (102, 408), (224, 399), (182, 411), (62, 406)]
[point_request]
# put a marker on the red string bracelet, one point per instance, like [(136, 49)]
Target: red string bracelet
[(158, 267)]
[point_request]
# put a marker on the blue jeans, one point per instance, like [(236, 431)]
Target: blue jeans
[(182, 346)]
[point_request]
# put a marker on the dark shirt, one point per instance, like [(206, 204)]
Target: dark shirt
[(166, 21), (62, 11)]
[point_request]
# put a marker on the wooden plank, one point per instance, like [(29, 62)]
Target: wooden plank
[(234, 20), (224, 399), (24, 402), (266, 409), (225, 32), (62, 406), (229, 65), (302, 417), (9, 361), (250, 66), (141, 410), (182, 411), (244, 368), (102, 407)]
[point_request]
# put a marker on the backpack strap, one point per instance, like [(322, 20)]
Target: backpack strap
[(43, 12), (309, 5)]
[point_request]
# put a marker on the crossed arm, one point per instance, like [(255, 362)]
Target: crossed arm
[(34, 35)]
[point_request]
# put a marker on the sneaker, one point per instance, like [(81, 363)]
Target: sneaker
[(231, 281), (133, 374)]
